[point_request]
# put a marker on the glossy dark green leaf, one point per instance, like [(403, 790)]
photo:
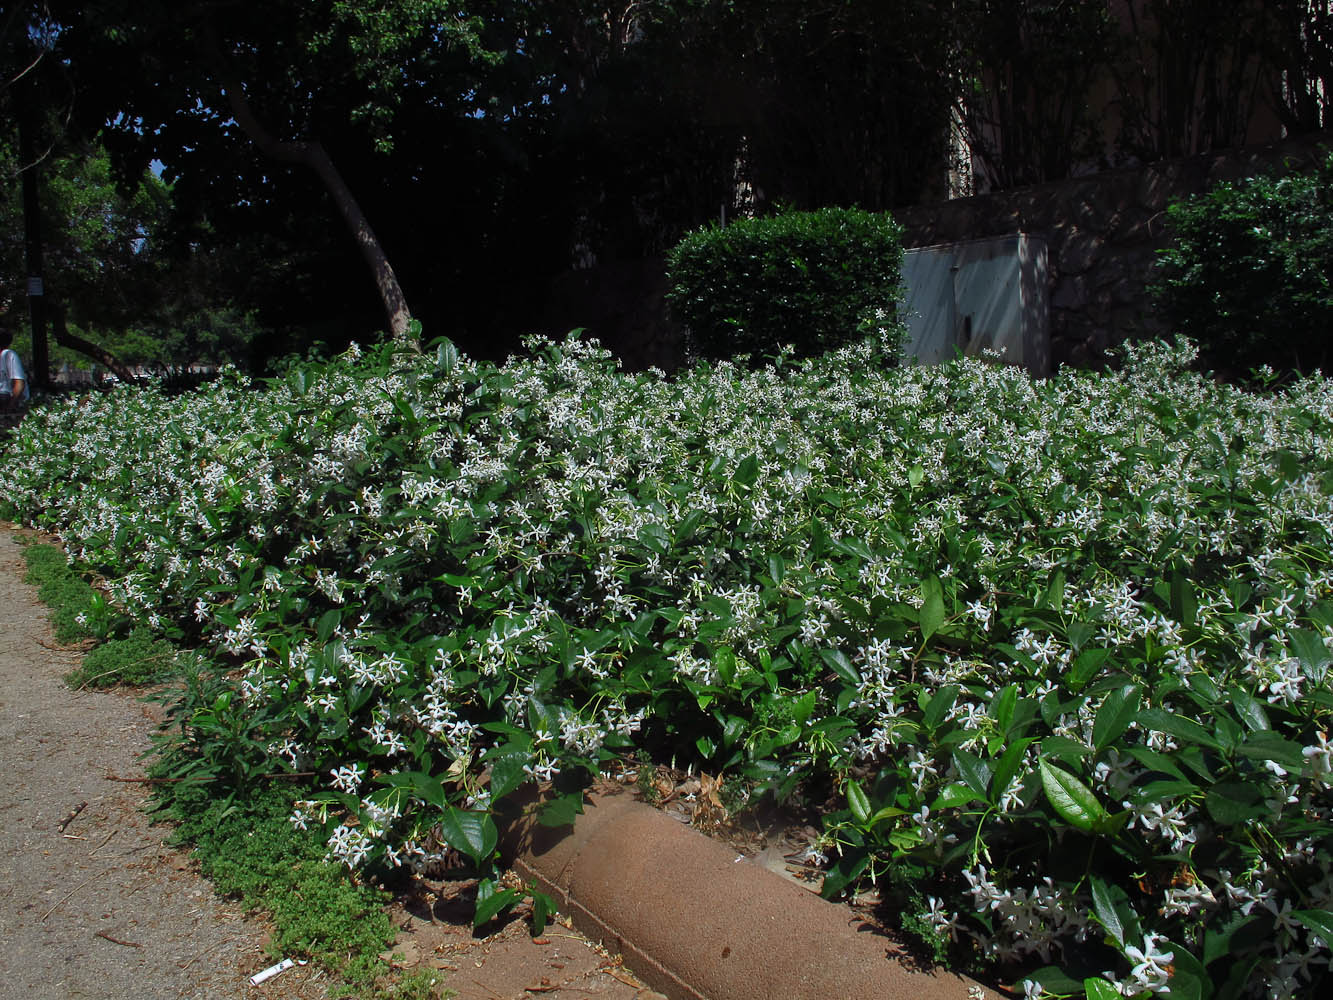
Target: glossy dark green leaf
[(975, 771), (1319, 921), (931, 616), (507, 772), (543, 909), (1002, 706), (1184, 604), (939, 705), (1178, 726), (1073, 801), (1313, 654), (1117, 711), (748, 471), (859, 803), (953, 796), (838, 662), (470, 833), (1104, 909), (1086, 666), (491, 902)]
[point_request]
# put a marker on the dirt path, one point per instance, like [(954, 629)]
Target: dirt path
[(102, 908)]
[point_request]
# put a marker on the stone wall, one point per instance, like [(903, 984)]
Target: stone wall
[(1102, 234)]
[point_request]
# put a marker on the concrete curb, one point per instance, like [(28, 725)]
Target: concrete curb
[(697, 922)]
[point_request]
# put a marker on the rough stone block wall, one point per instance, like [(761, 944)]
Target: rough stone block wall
[(1102, 233)]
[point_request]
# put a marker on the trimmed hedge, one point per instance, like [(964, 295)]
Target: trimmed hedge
[(1249, 275), (811, 280)]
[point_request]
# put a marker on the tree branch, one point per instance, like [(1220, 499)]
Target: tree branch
[(86, 347)]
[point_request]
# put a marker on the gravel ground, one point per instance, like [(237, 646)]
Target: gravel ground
[(103, 907)]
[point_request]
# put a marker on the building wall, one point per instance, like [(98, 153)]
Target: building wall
[(1102, 234)]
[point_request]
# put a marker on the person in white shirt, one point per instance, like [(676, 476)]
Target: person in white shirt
[(13, 381)]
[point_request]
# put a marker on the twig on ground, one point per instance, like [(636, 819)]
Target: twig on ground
[(68, 895), (104, 843), (107, 937), (70, 818)]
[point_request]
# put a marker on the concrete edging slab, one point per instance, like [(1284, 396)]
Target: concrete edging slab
[(699, 922)]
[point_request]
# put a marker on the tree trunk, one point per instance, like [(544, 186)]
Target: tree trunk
[(32, 240), (311, 153), (85, 347)]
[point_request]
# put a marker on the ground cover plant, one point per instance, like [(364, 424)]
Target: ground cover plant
[(1060, 649)]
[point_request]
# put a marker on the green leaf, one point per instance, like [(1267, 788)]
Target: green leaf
[(1313, 654), (328, 624), (1265, 746), (844, 871), (1087, 666), (543, 908), (1250, 711), (1184, 605), (561, 810), (975, 771), (655, 538), (1053, 980), (507, 772), (1072, 800), (940, 705), (491, 903), (803, 707), (1103, 908), (931, 616), (1117, 711), (1054, 597), (1189, 979), (1100, 989), (1234, 803), (1007, 766), (1178, 726), (860, 804), (446, 356), (838, 662), (1319, 921), (748, 471), (1218, 941), (470, 833), (1002, 706), (953, 796)]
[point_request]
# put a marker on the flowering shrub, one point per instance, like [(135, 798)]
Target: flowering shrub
[(1061, 646)]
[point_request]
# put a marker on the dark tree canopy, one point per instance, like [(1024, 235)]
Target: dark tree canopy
[(347, 166)]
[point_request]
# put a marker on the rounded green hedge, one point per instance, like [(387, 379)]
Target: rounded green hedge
[(813, 281)]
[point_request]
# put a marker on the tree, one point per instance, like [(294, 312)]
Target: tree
[(185, 82)]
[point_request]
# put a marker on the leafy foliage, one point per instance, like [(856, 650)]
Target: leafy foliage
[(1250, 272), (250, 851), (812, 280), (1062, 647), (78, 611)]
